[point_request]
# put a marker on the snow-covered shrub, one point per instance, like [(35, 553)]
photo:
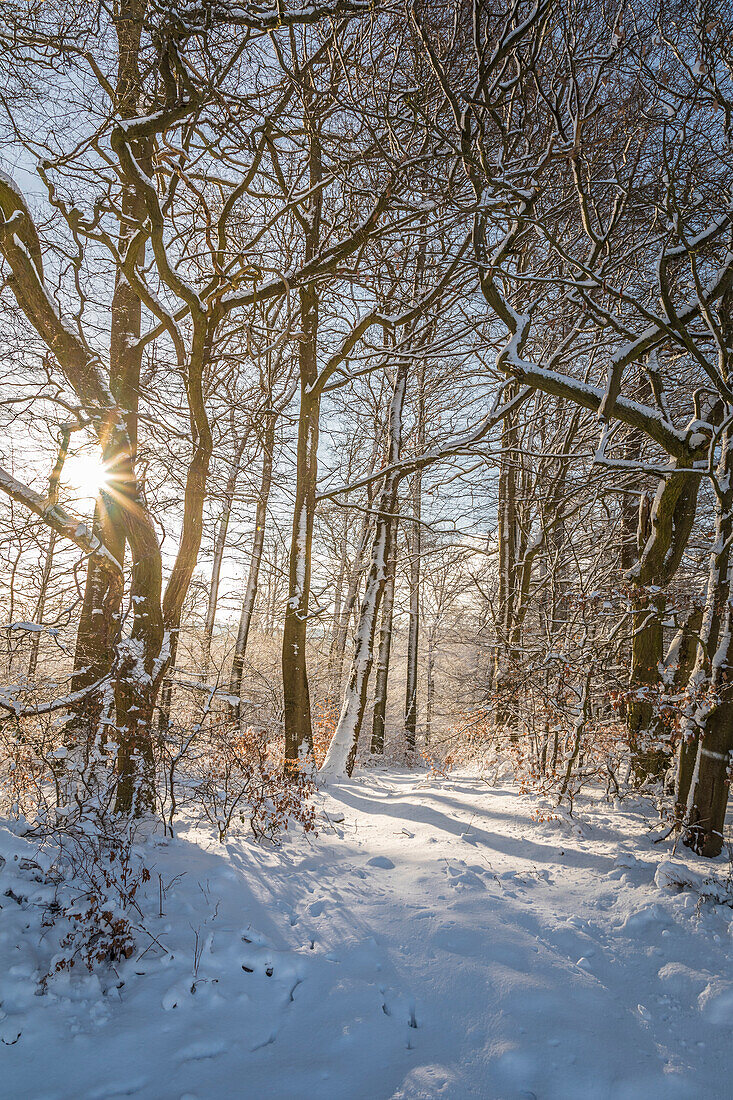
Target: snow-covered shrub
[(229, 776), (472, 743), (31, 758), (238, 780), (708, 887), (562, 738), (97, 865), (62, 793), (102, 914)]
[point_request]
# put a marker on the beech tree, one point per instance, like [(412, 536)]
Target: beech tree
[(562, 240), (367, 319), (159, 220)]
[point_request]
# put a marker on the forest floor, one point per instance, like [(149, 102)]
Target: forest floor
[(435, 942)]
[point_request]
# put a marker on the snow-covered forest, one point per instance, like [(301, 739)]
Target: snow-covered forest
[(366, 549)]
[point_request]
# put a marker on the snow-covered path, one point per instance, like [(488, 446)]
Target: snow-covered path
[(437, 942)]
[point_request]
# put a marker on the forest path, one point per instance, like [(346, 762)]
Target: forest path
[(435, 942)]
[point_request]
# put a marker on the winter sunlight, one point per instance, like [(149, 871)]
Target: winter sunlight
[(366, 549), (84, 475)]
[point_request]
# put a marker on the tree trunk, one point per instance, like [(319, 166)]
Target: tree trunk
[(643, 721), (41, 603), (250, 595), (194, 499), (297, 714), (710, 785), (663, 532), (334, 670), (355, 574), (272, 588), (53, 496), (219, 547), (683, 652), (710, 716), (100, 620), (504, 715), (413, 633), (341, 753), (430, 687), (385, 646)]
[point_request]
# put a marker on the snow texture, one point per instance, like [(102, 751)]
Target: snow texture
[(435, 942)]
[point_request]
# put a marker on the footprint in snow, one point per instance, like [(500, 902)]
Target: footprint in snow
[(400, 1008), (179, 994), (268, 1041), (205, 1048), (126, 1088), (463, 876), (381, 861), (287, 911)]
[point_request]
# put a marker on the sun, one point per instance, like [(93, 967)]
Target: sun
[(85, 474)]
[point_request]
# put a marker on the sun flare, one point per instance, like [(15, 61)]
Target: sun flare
[(85, 474)]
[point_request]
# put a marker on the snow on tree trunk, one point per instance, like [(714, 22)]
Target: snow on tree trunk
[(341, 753), (709, 717), (385, 646)]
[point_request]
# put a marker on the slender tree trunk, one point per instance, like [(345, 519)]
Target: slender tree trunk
[(53, 496), (219, 548), (137, 747), (664, 529), (385, 646), (430, 687), (341, 754), (334, 670), (41, 603), (272, 589), (413, 632), (220, 541), (100, 620), (643, 722), (250, 595), (505, 716), (297, 713), (354, 574), (710, 719), (193, 504), (683, 653)]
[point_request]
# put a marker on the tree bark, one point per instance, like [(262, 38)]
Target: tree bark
[(341, 754), (385, 647), (101, 613), (430, 687), (710, 716), (250, 595), (297, 713), (507, 535), (663, 532), (413, 633), (354, 575), (219, 548), (683, 653)]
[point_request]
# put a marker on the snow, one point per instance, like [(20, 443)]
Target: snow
[(433, 941)]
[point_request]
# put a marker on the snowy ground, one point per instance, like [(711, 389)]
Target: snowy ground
[(437, 942)]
